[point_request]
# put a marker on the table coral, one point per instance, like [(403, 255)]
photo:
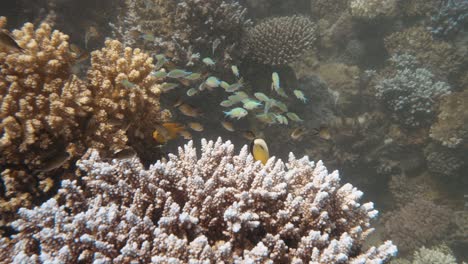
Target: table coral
[(218, 206)]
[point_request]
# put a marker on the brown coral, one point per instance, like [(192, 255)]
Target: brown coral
[(280, 40)]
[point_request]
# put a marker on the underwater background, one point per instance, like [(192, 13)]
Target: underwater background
[(376, 89)]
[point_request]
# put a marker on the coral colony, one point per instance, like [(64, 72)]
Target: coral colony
[(162, 131)]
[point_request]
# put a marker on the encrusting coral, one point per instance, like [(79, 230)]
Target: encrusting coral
[(216, 207), (280, 40)]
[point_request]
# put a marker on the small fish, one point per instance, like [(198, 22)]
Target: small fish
[(249, 135), (192, 92), (189, 110), (185, 134), (250, 104), (235, 71), (262, 97), (127, 153), (193, 76), (267, 118), (234, 87), (148, 37), (178, 73), (196, 126), (226, 103), (282, 93), (166, 87), (160, 61), (228, 126), (237, 112), (55, 162), (159, 74), (300, 95), (323, 132), (241, 95), (275, 81), (224, 85), (294, 117), (298, 133), (281, 119), (212, 82), (178, 102), (215, 45), (280, 105), (167, 131), (208, 61), (259, 150), (127, 83)]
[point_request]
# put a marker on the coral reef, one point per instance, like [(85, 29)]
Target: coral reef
[(219, 206), (369, 9), (446, 163), (419, 223), (434, 255), (410, 92), (50, 117), (438, 56), (183, 29), (452, 16), (451, 127), (280, 40)]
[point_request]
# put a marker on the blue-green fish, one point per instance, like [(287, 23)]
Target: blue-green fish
[(293, 117), (262, 97), (160, 61), (281, 119), (237, 112), (127, 83), (267, 118), (282, 93), (280, 105), (149, 37), (193, 76), (250, 104), (159, 74), (212, 82), (208, 61), (300, 95), (234, 87), (166, 87), (178, 73), (275, 84), (192, 92), (224, 85), (226, 103), (235, 70)]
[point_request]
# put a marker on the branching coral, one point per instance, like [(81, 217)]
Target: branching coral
[(451, 17), (219, 206), (373, 8), (410, 92), (182, 29), (280, 40), (417, 224), (451, 128)]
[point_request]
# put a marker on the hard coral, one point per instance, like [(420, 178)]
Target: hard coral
[(126, 99), (218, 207), (410, 92), (370, 9), (43, 107), (280, 40)]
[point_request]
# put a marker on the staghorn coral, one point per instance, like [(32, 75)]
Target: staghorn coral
[(126, 100), (410, 92), (219, 206), (446, 162), (183, 29), (452, 17), (370, 9), (280, 40), (436, 255), (451, 128), (419, 223)]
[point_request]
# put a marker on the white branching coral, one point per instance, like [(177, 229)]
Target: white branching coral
[(189, 209)]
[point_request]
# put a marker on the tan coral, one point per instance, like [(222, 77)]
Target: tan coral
[(126, 98), (451, 128)]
